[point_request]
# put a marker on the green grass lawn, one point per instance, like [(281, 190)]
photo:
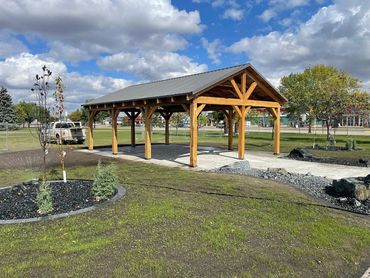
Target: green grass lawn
[(165, 227), (25, 139)]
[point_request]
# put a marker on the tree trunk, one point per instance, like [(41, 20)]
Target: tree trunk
[(327, 130), (310, 126)]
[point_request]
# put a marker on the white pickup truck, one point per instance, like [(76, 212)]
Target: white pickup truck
[(66, 132)]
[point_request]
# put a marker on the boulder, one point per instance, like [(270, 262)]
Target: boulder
[(352, 187), (299, 153)]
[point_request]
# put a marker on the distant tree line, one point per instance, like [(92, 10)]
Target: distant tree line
[(324, 93)]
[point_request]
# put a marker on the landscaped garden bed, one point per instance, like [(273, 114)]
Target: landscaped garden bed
[(329, 154), (19, 201), (321, 188)]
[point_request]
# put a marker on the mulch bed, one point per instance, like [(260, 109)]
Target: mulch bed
[(18, 202), (305, 155)]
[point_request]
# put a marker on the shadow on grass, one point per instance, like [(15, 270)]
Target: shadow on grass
[(248, 197)]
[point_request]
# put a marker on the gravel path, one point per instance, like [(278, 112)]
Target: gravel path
[(318, 187)]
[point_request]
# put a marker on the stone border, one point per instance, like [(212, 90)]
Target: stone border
[(121, 192)]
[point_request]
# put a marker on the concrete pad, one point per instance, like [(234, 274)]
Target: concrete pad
[(210, 158)]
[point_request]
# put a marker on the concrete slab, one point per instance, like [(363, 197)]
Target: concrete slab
[(210, 158)]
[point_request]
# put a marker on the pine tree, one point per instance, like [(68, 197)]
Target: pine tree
[(7, 112)]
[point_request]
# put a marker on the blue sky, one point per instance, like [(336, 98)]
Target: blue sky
[(105, 45)]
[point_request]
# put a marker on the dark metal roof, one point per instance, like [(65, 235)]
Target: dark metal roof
[(184, 85)]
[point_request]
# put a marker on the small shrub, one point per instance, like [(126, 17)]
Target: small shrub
[(43, 199), (105, 182), (349, 145)]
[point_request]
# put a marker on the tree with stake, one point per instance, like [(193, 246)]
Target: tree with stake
[(58, 110), (41, 89)]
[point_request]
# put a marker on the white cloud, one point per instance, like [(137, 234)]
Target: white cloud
[(152, 65), (102, 26), (9, 45), (17, 75), (214, 49), (234, 14), (338, 35), (267, 15), (278, 6)]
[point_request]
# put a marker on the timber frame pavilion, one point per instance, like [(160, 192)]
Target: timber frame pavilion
[(233, 90)]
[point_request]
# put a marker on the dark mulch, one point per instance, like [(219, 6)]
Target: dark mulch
[(32, 159), (18, 202), (305, 155)]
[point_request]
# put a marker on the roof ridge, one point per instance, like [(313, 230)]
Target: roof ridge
[(183, 76)]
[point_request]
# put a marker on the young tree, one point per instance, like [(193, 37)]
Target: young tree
[(58, 112), (41, 89), (7, 111)]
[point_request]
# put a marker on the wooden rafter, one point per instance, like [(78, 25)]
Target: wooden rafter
[(250, 90), (236, 89)]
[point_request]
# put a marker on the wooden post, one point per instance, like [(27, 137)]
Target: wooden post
[(167, 131), (230, 129), (90, 122), (241, 133), (277, 132), (132, 119), (166, 116), (114, 114), (193, 134), (148, 114)]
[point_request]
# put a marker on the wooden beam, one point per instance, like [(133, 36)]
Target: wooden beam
[(148, 136), (244, 83), (193, 134), (230, 129), (268, 92), (236, 108), (236, 89), (90, 122), (261, 103), (219, 101), (241, 133), (167, 130), (185, 107), (250, 90), (277, 132), (200, 109), (272, 112), (114, 115)]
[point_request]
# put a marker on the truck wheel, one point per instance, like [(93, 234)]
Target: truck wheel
[(59, 141)]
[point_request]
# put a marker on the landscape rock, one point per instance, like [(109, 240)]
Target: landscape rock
[(352, 187), (237, 167), (299, 153), (318, 187)]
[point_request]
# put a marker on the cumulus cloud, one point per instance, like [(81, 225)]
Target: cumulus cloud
[(101, 26), (152, 65), (234, 14), (214, 49), (17, 75), (278, 6), (338, 34)]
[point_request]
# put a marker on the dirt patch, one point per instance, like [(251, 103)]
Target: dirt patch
[(32, 159)]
